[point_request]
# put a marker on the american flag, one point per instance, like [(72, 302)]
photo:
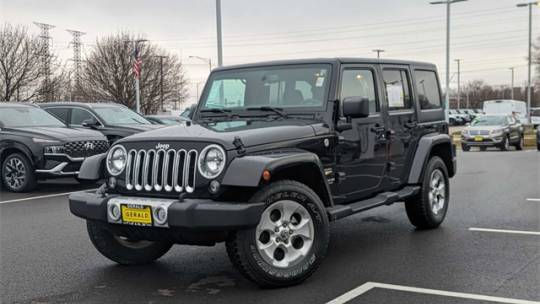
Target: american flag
[(137, 64)]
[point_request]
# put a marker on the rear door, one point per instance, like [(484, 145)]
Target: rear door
[(361, 152), (402, 123)]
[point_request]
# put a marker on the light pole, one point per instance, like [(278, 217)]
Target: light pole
[(207, 60), (458, 83), (378, 51), (512, 84), (447, 93), (530, 5), (219, 38)]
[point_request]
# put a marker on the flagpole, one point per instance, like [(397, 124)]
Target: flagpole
[(137, 95)]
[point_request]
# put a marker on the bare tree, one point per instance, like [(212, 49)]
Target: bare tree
[(107, 74), (19, 63)]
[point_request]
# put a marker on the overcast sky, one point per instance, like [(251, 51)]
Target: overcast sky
[(490, 36)]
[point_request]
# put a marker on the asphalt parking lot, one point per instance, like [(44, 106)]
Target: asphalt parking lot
[(487, 251)]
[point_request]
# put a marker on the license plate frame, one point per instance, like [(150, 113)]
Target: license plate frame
[(136, 214), (478, 138)]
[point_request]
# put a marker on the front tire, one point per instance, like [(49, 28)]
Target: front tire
[(465, 147), (122, 250), (18, 173), (290, 240), (427, 209), (505, 145)]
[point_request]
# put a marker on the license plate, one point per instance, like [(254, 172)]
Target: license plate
[(478, 138), (137, 215)]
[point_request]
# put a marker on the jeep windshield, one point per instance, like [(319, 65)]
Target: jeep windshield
[(272, 90), (120, 116), (18, 117)]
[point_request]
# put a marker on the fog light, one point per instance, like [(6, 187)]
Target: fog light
[(112, 182), (114, 212), (160, 215), (214, 187)]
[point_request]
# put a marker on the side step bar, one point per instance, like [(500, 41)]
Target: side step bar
[(386, 198)]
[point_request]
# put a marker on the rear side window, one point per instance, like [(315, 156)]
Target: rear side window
[(428, 90), (60, 113), (360, 83), (78, 116), (396, 85)]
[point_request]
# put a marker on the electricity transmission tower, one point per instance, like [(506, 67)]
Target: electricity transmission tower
[(45, 54), (76, 61)]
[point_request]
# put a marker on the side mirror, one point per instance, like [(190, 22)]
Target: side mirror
[(90, 123), (355, 107)]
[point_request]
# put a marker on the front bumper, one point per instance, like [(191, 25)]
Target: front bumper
[(192, 214), (486, 141)]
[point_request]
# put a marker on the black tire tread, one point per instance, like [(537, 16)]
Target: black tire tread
[(240, 259), (105, 243)]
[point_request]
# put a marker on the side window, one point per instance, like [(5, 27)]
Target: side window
[(60, 113), (80, 115), (396, 85), (428, 90), (359, 83)]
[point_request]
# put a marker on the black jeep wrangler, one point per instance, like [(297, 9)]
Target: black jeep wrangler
[(275, 152)]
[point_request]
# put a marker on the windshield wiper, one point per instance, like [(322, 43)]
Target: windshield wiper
[(276, 110), (215, 110)]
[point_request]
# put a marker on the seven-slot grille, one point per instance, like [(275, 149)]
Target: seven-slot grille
[(479, 132), (86, 148), (158, 170)]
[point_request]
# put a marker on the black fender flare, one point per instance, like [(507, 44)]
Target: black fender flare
[(18, 146), (423, 151), (247, 171), (93, 167)]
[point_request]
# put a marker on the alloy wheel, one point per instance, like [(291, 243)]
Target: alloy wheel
[(14, 173), (437, 191), (285, 234)]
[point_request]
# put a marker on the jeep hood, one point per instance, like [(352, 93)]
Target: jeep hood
[(251, 133)]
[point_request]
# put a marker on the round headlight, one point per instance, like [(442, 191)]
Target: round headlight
[(211, 161), (116, 160)]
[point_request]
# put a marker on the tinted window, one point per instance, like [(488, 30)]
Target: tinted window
[(60, 113), (396, 84), (80, 115), (359, 83), (428, 90)]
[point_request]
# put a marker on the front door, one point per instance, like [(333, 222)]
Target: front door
[(402, 123), (361, 152)]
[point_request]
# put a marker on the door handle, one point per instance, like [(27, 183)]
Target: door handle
[(411, 125)]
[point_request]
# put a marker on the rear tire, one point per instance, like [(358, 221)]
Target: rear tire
[(18, 174), (290, 240), (465, 147), (124, 251), (427, 209)]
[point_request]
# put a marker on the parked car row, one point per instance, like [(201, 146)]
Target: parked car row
[(462, 116), (51, 140)]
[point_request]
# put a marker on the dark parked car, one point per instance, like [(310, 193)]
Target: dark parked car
[(35, 145), (166, 120), (538, 138), (113, 120), (493, 130), (276, 151)]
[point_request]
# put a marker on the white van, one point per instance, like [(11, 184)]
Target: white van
[(507, 106)]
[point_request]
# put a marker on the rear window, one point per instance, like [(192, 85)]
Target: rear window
[(429, 96)]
